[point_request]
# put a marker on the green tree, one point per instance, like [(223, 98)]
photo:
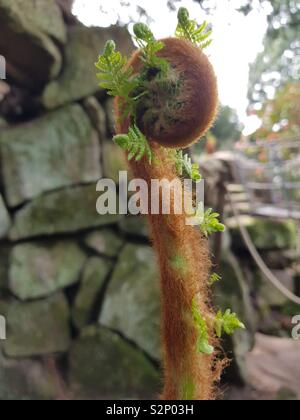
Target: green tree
[(279, 63), (227, 128), (225, 132), (281, 115)]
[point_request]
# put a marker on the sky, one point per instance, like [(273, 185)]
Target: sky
[(237, 39)]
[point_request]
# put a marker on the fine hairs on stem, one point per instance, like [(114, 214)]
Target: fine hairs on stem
[(166, 99)]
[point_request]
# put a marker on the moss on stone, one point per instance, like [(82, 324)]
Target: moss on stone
[(4, 268), (58, 150), (97, 115), (44, 15), (23, 30), (267, 234), (64, 211), (5, 220), (135, 226), (37, 328), (88, 298), (132, 301), (78, 79), (103, 365), (40, 269), (114, 161), (25, 380), (105, 242)]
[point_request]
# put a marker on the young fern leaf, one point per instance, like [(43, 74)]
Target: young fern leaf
[(188, 29), (150, 47), (203, 345), (227, 322), (135, 143), (184, 165), (211, 223), (114, 76), (207, 220)]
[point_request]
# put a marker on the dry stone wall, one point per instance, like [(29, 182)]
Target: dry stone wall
[(80, 292)]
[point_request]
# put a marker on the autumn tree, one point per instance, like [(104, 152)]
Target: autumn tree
[(281, 115), (279, 63)]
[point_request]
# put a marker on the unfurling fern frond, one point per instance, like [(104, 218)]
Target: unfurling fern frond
[(211, 223), (114, 76), (184, 165), (189, 29), (150, 47), (227, 322), (208, 221), (135, 143)]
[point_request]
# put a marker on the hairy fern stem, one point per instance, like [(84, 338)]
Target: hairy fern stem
[(166, 99)]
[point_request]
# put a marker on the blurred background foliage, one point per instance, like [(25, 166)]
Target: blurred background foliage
[(281, 115)]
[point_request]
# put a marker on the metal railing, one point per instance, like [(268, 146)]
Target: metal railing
[(270, 174)]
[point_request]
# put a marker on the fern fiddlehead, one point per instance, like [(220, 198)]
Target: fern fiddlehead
[(172, 97), (189, 29)]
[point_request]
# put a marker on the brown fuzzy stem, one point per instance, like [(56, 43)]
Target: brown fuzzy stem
[(184, 262), (184, 267), (182, 251)]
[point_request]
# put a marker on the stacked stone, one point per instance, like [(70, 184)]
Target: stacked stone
[(80, 292)]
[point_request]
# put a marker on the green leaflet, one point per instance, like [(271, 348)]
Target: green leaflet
[(214, 278), (227, 322), (184, 165), (203, 345), (211, 223), (113, 74), (207, 220), (150, 47), (135, 143), (189, 30)]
